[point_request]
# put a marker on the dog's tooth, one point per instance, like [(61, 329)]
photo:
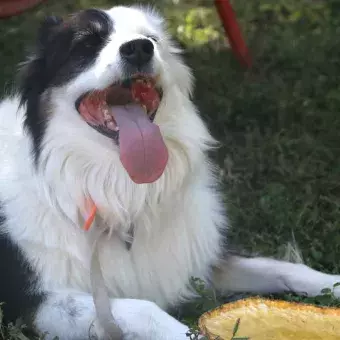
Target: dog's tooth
[(106, 113), (111, 125)]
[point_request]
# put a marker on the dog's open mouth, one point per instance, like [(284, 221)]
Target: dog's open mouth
[(125, 112)]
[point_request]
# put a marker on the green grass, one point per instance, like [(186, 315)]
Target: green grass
[(278, 124)]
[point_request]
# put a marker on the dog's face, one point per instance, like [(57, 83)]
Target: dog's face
[(110, 72)]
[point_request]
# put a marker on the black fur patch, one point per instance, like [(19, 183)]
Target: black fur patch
[(64, 49), (18, 284)]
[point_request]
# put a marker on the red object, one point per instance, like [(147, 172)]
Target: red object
[(10, 8), (146, 94), (233, 32)]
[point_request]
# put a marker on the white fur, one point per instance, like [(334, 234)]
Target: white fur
[(138, 319), (177, 219), (263, 275)]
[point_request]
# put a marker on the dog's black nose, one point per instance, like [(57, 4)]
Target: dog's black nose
[(137, 52)]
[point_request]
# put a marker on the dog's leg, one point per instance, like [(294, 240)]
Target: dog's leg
[(264, 275), (71, 315)]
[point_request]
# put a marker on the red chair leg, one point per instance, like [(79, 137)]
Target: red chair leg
[(233, 32)]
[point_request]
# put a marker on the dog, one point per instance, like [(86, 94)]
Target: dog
[(103, 113)]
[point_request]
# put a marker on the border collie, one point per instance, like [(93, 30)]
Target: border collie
[(103, 113)]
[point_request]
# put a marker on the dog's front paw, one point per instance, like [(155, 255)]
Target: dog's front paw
[(335, 285), (144, 320)]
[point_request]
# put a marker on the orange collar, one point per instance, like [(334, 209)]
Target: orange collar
[(92, 208)]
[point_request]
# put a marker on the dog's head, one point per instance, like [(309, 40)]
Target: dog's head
[(109, 76)]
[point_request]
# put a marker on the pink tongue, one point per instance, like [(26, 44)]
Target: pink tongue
[(142, 150)]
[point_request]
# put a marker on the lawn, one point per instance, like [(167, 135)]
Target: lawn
[(278, 124)]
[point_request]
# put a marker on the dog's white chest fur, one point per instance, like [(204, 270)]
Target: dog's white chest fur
[(174, 238)]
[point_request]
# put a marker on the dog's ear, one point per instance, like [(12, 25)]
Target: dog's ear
[(32, 72), (48, 28)]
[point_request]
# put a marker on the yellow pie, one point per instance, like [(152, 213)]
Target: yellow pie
[(262, 319)]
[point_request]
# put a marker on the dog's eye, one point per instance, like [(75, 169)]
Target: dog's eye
[(90, 38), (153, 37)]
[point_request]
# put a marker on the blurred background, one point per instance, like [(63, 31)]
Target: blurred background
[(278, 124)]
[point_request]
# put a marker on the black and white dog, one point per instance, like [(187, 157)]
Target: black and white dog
[(103, 112)]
